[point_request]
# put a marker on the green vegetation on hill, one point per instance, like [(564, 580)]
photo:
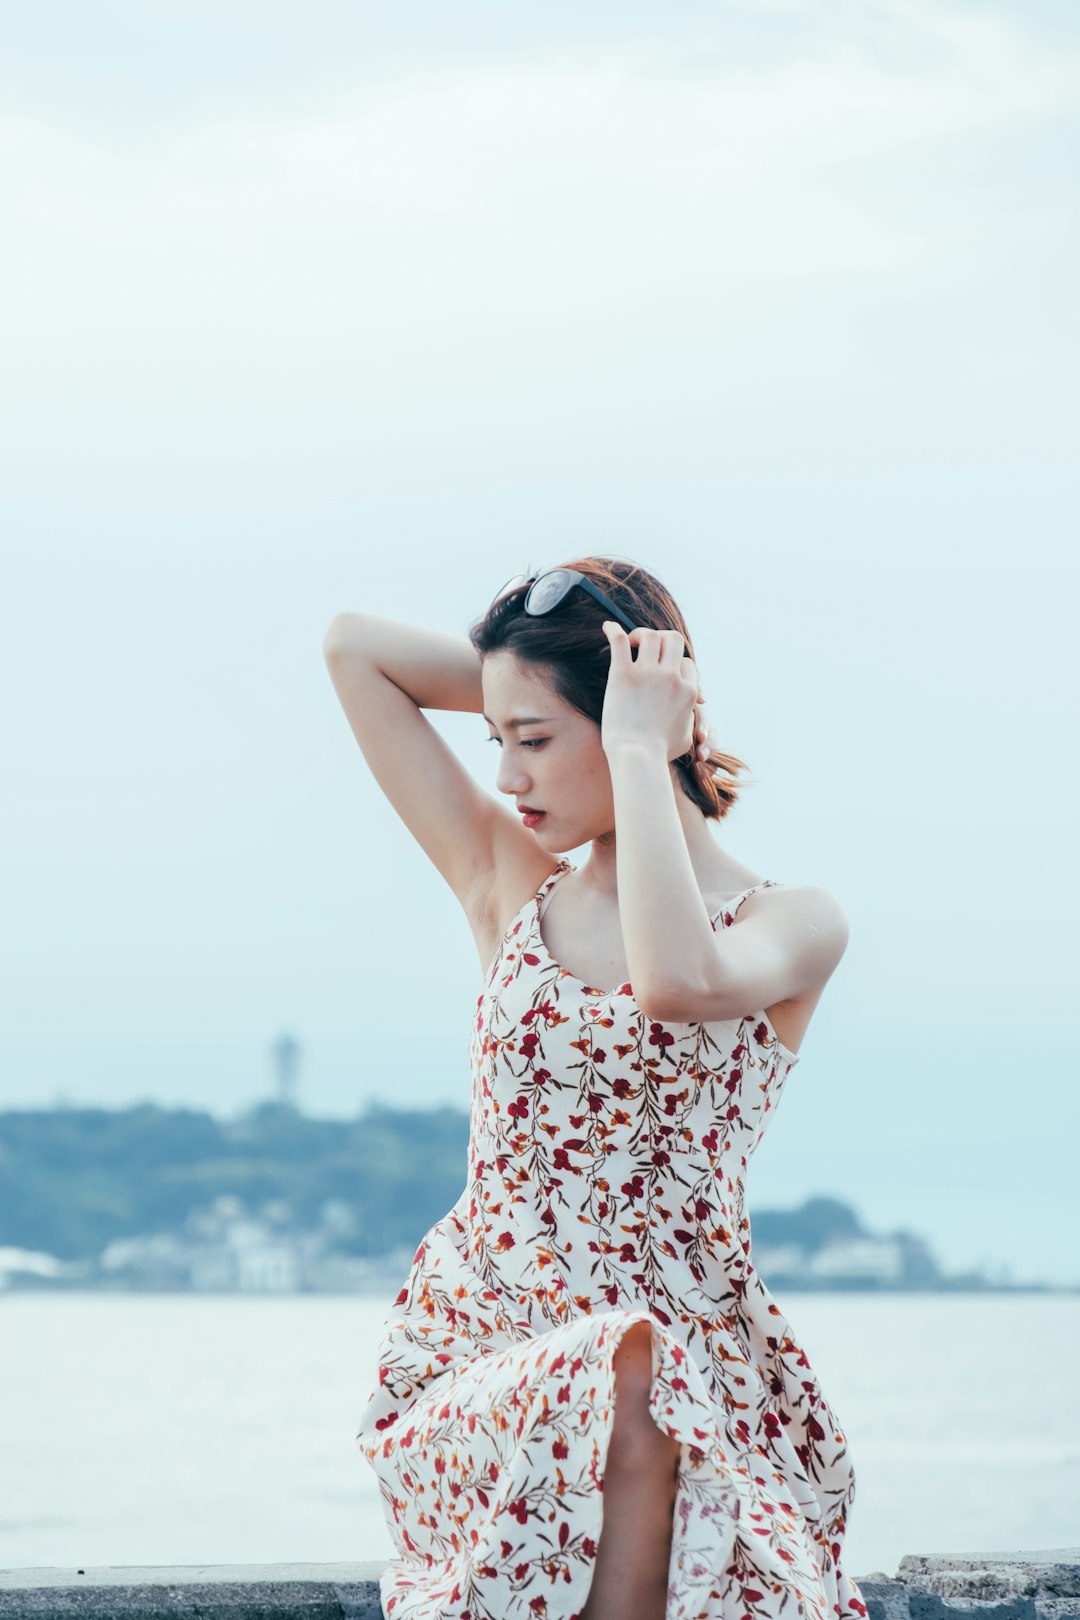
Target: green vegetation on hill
[(73, 1180)]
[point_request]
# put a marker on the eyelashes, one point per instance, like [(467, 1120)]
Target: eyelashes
[(527, 742)]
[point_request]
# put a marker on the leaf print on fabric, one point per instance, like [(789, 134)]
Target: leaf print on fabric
[(605, 1186)]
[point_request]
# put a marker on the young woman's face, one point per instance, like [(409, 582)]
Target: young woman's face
[(554, 762)]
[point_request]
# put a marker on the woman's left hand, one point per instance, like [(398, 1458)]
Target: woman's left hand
[(654, 699)]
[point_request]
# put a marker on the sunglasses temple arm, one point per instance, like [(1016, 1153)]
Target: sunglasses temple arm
[(605, 601)]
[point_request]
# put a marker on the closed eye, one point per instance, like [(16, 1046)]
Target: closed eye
[(526, 742)]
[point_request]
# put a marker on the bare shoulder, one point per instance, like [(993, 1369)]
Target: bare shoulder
[(806, 917)]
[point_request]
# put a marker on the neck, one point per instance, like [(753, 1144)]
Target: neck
[(598, 872)]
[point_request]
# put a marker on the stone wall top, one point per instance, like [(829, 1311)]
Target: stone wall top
[(1035, 1585)]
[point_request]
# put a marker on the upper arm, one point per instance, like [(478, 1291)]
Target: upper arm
[(466, 833), (784, 943)]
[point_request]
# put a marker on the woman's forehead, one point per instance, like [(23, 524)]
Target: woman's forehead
[(517, 691)]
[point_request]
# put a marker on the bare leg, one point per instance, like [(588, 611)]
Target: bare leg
[(630, 1576)]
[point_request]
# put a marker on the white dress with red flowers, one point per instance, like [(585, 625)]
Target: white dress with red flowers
[(606, 1170)]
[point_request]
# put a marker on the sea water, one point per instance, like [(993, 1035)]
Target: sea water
[(184, 1429)]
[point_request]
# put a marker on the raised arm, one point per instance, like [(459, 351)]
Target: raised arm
[(385, 673)]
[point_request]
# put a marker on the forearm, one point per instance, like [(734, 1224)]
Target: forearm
[(666, 928), (436, 670)]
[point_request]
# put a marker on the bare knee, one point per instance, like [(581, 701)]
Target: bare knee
[(636, 1435), (633, 1361)]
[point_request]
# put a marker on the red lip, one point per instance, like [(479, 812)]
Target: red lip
[(527, 810)]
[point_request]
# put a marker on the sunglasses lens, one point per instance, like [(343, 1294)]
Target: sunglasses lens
[(549, 591)]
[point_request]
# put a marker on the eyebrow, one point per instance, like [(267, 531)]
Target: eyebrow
[(527, 720)]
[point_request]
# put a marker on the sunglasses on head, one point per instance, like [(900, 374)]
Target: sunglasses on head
[(548, 589)]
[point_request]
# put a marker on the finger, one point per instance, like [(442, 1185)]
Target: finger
[(672, 644), (649, 642), (619, 642)]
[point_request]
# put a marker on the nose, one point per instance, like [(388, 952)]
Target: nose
[(510, 778)]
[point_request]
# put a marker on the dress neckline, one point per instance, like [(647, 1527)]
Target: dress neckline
[(539, 901)]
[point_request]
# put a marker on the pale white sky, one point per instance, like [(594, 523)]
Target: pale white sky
[(350, 308)]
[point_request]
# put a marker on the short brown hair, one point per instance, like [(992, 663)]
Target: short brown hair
[(570, 647)]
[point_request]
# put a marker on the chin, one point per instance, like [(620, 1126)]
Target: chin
[(567, 842), (556, 845)]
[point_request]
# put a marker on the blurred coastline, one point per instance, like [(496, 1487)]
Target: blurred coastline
[(276, 1202)]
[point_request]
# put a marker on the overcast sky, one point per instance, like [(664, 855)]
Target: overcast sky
[(354, 306)]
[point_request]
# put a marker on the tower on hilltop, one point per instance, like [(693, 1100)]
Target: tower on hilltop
[(286, 1053)]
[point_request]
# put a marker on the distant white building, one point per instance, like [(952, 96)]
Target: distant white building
[(783, 1260), (237, 1252), (876, 1259), (265, 1264), (16, 1264)]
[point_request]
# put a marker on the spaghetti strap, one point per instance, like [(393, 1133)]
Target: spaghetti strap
[(730, 908), (543, 893)]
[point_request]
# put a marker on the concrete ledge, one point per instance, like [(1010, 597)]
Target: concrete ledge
[(993, 1585), (232, 1591)]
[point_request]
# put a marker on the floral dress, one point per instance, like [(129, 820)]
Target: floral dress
[(606, 1169)]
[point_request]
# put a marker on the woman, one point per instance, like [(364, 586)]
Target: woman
[(588, 1404)]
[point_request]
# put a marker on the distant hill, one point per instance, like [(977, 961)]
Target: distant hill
[(73, 1180)]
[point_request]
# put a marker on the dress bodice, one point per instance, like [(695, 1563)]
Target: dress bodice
[(607, 1150)]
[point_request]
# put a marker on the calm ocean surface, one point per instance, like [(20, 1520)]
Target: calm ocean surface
[(152, 1429)]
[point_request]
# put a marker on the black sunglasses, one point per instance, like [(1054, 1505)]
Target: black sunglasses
[(548, 589)]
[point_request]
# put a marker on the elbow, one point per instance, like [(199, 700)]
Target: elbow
[(342, 634)]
